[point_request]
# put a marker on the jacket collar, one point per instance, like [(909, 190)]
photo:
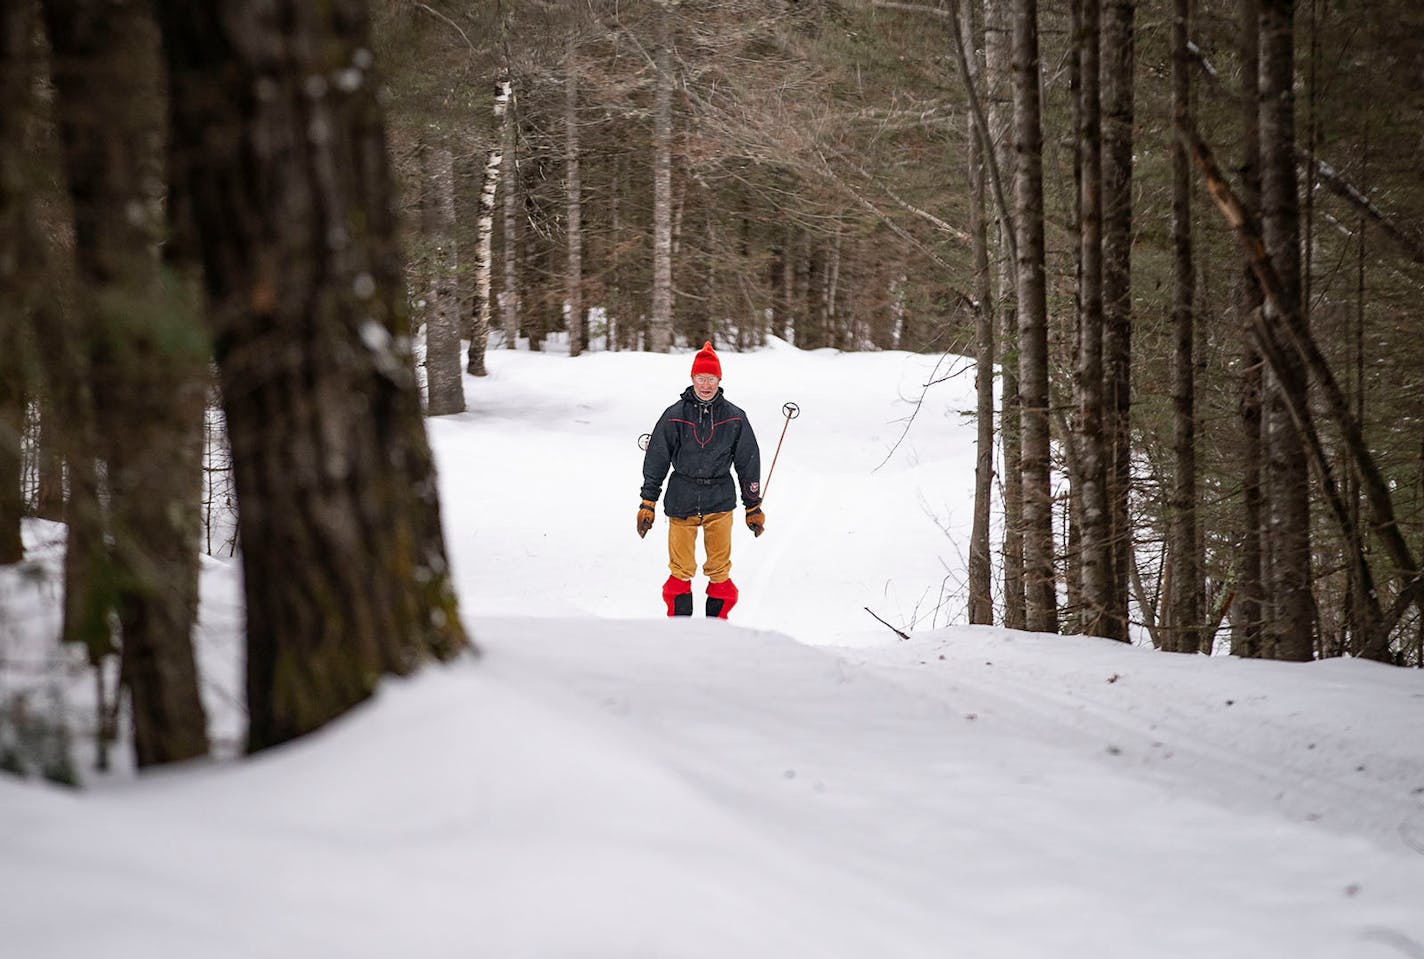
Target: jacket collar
[(690, 396)]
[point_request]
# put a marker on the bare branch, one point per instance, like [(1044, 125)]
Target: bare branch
[(440, 16), (911, 8), (1352, 195), (886, 625)]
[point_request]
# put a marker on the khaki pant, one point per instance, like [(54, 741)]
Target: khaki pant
[(716, 539)]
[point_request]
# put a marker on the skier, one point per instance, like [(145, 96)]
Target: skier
[(702, 437)]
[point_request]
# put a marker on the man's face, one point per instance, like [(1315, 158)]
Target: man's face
[(705, 385)]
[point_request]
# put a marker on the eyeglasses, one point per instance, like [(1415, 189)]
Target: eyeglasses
[(705, 379)]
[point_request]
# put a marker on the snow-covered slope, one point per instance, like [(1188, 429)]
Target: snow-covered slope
[(602, 782), (539, 485)]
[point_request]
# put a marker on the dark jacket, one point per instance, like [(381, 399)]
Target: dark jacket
[(702, 442)]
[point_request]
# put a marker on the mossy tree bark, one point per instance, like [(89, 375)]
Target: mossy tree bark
[(147, 363), (276, 112)]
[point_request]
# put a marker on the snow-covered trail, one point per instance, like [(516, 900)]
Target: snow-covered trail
[(852, 526), (696, 789), (1266, 738), (1017, 818), (603, 782), (539, 488)]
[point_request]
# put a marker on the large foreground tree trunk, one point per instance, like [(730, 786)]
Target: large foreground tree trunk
[(148, 364), (343, 558)]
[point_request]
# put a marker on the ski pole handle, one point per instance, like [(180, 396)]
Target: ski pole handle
[(791, 410)]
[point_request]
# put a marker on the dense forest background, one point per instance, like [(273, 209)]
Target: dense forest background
[(826, 184), (1179, 239)]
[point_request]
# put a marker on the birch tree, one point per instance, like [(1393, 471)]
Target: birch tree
[(484, 239)]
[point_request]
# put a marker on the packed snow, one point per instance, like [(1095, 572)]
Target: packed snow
[(798, 782)]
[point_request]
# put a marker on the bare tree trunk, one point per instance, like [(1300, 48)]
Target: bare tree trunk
[(16, 30), (1033, 323), (1250, 591), (343, 558), (981, 601), (148, 360), (1071, 429), (998, 70), (509, 305), (834, 327), (1355, 604), (25, 300), (1277, 335), (622, 331), (484, 243), (782, 279), (1187, 598), (578, 337), (537, 265), (1118, 58), (660, 324), (12, 419), (49, 487), (1097, 556), (1290, 623), (444, 385), (812, 317)]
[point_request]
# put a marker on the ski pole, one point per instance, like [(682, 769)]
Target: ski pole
[(792, 411)]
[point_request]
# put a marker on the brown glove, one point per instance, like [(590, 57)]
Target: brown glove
[(756, 521), (646, 517)]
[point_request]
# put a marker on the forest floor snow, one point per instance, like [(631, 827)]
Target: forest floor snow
[(799, 782)]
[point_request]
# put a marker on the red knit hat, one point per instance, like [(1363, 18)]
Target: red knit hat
[(706, 361)]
